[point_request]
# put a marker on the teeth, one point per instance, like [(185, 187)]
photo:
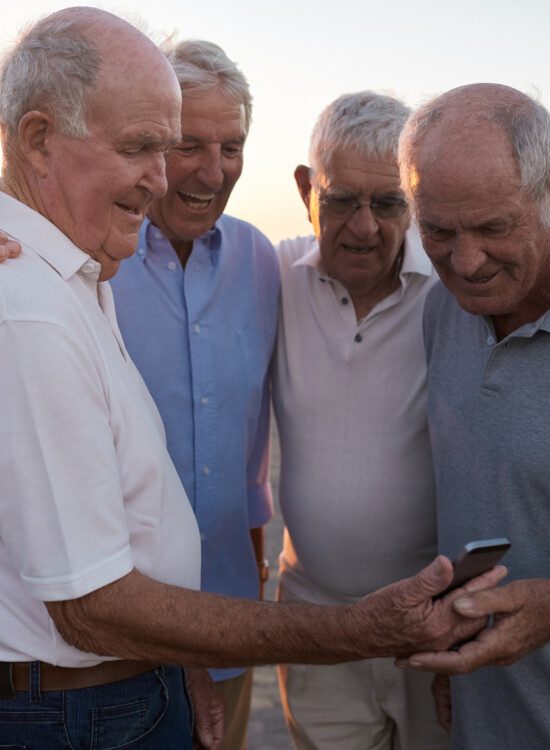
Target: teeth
[(196, 200), (129, 209)]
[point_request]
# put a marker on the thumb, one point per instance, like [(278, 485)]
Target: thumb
[(430, 581)]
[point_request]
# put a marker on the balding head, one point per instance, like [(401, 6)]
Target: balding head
[(461, 124), (56, 63), (479, 185), (88, 107)]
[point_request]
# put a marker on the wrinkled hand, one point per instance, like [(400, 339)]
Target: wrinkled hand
[(441, 691), (403, 619), (209, 710), (8, 248), (521, 624)]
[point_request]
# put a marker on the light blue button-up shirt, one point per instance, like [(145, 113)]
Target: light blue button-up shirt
[(202, 339)]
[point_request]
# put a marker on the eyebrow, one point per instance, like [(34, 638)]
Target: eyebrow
[(148, 139), (196, 139)]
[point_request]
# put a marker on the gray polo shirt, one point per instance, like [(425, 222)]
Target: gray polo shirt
[(489, 418)]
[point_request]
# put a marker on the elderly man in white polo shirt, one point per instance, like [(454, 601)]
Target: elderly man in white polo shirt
[(357, 490)]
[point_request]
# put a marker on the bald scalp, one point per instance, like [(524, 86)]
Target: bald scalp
[(467, 123), (56, 63)]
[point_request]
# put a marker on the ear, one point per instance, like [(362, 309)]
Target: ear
[(302, 177), (34, 131)]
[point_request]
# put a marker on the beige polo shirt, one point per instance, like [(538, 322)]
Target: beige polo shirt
[(87, 489), (357, 490)]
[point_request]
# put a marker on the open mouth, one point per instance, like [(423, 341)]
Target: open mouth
[(195, 201), (130, 210)]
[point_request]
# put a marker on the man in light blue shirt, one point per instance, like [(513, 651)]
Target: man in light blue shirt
[(197, 307)]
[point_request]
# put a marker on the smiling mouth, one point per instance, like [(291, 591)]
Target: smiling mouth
[(130, 210), (479, 281), (357, 250), (195, 201)]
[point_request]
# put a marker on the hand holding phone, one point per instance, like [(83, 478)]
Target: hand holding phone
[(476, 558)]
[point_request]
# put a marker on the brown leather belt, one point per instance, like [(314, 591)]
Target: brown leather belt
[(71, 678)]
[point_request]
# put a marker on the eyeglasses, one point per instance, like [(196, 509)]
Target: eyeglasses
[(343, 206)]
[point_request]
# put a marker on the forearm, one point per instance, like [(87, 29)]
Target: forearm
[(137, 617)]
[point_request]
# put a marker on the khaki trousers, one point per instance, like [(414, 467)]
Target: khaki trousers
[(236, 693), (367, 705)]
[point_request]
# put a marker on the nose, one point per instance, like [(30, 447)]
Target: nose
[(363, 223), (154, 175), (210, 171), (467, 255)]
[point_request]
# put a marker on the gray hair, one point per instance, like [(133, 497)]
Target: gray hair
[(201, 66), (49, 68), (367, 122), (524, 121)]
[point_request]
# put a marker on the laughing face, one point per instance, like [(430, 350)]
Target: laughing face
[(98, 189), (360, 250), (203, 169)]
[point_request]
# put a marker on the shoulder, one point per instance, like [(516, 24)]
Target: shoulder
[(293, 249), (31, 290), (442, 315), (245, 236)]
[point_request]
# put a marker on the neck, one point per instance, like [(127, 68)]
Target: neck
[(183, 249), (365, 301)]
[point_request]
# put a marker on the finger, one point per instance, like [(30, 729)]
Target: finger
[(203, 731), (441, 691), (487, 580), (13, 248), (4, 252), (483, 603), (430, 581), (468, 657)]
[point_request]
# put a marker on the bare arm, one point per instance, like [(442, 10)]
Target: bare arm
[(139, 618)]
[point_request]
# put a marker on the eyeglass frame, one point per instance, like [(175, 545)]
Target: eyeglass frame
[(355, 204)]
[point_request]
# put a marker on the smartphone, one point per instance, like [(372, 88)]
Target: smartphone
[(476, 558)]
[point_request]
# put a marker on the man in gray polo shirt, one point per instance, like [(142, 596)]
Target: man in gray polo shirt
[(477, 163)]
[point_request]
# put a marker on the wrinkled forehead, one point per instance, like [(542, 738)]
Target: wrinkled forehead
[(459, 157), (351, 169)]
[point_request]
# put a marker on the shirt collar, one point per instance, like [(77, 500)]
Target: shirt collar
[(415, 259), (149, 235), (33, 230)]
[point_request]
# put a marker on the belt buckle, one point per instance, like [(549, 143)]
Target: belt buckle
[(7, 691)]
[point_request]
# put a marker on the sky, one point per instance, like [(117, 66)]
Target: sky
[(299, 55)]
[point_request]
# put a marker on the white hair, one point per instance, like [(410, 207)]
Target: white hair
[(525, 122), (367, 122), (201, 66), (50, 68)]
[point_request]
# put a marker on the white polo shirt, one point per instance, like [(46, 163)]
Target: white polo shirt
[(87, 489), (357, 490)]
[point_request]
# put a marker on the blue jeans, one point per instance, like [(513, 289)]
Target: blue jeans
[(147, 712)]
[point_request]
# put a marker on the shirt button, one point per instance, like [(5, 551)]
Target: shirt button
[(140, 251), (344, 300), (197, 328), (204, 401), (206, 470), (490, 341), (172, 265), (158, 234), (203, 537), (358, 338), (88, 267), (322, 279)]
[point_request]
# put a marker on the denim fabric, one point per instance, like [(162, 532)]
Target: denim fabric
[(147, 712)]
